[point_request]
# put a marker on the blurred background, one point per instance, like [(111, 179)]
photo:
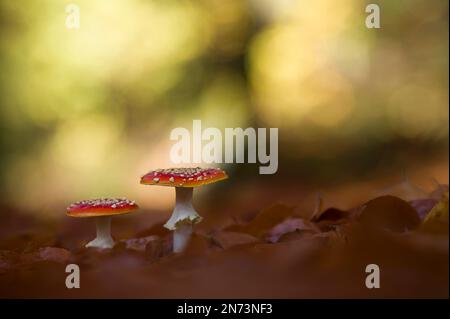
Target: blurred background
[(85, 112)]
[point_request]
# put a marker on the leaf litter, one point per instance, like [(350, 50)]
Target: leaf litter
[(279, 253)]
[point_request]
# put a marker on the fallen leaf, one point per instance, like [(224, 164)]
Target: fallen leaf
[(437, 219), (7, 260), (331, 218), (158, 248), (52, 254), (228, 239), (264, 221), (138, 244), (155, 230), (423, 206), (439, 191), (59, 255), (389, 213), (318, 207), (289, 225), (332, 214)]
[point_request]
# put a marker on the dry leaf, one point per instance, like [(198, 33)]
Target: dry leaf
[(265, 220), (155, 249), (423, 206), (437, 219), (288, 226), (228, 239), (332, 214), (389, 213), (155, 230), (439, 191), (138, 244), (59, 255)]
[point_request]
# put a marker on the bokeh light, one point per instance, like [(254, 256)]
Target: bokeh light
[(86, 111)]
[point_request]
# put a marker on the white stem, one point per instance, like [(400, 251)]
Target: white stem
[(182, 219), (181, 237), (103, 239)]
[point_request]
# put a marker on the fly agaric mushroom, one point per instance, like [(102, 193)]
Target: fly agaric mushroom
[(102, 209), (184, 180)]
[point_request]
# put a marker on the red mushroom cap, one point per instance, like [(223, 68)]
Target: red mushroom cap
[(101, 207), (184, 177)]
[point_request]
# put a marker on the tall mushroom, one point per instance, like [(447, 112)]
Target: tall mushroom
[(184, 180), (102, 209)]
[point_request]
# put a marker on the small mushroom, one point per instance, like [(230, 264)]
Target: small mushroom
[(184, 180), (102, 209)]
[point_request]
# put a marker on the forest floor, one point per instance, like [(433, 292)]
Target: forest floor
[(315, 248)]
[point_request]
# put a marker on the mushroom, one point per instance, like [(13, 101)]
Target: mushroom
[(102, 209), (184, 180)]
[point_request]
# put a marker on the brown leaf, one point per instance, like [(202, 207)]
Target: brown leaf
[(332, 214), (7, 260), (331, 218), (59, 255), (157, 248), (138, 244), (389, 212), (53, 254), (227, 239), (265, 220), (318, 207), (155, 230), (289, 225)]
